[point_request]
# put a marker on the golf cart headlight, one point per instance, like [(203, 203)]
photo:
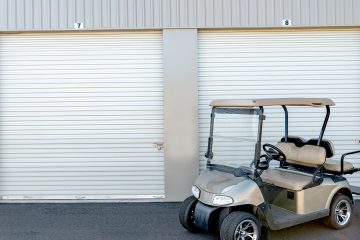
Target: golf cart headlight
[(222, 200), (195, 191)]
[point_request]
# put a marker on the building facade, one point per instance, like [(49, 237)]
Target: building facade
[(108, 99)]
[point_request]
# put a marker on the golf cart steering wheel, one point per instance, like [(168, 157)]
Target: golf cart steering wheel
[(274, 152)]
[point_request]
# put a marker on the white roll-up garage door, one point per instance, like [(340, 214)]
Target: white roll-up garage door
[(80, 113), (284, 63)]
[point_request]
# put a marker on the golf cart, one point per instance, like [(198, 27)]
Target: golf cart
[(292, 183)]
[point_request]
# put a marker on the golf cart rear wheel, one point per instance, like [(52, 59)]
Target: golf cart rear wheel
[(240, 226), (187, 214), (341, 210)]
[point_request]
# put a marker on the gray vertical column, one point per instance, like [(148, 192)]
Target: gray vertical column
[(180, 112)]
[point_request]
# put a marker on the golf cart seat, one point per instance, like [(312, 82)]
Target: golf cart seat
[(300, 142), (307, 155), (330, 165), (287, 179), (334, 166)]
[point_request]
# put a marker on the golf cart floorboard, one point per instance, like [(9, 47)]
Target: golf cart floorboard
[(284, 218), (355, 190)]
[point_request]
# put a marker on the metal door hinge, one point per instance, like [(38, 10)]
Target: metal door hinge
[(158, 145)]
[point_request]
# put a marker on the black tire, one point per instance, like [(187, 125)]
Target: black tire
[(187, 213), (235, 221), (336, 218)]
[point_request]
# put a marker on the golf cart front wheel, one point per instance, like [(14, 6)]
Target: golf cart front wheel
[(240, 226), (341, 210), (187, 214)]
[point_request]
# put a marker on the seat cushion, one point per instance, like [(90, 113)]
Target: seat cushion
[(299, 142), (327, 144), (335, 166), (283, 178), (307, 155)]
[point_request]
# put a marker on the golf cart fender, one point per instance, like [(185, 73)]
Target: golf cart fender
[(245, 192), (343, 189)]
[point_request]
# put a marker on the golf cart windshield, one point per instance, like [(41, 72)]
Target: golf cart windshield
[(234, 137)]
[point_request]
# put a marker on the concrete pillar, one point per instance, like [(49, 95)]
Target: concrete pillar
[(180, 112)]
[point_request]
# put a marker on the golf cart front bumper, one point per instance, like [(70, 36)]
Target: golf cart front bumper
[(206, 217)]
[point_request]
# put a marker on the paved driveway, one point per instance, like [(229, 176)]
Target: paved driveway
[(131, 221)]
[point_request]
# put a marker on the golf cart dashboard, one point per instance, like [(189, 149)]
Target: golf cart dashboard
[(237, 172)]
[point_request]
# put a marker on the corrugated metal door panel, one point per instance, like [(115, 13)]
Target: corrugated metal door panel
[(276, 63), (80, 113)]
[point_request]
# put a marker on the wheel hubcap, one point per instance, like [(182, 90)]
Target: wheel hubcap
[(246, 230), (342, 212)]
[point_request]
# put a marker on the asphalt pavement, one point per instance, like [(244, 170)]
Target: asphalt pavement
[(130, 221)]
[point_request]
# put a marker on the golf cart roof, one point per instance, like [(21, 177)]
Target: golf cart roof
[(310, 102)]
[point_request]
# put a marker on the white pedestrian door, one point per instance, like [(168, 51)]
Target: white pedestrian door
[(236, 64), (80, 113)]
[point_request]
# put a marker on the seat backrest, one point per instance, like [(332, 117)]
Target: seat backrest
[(307, 155), (327, 144), (299, 142)]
